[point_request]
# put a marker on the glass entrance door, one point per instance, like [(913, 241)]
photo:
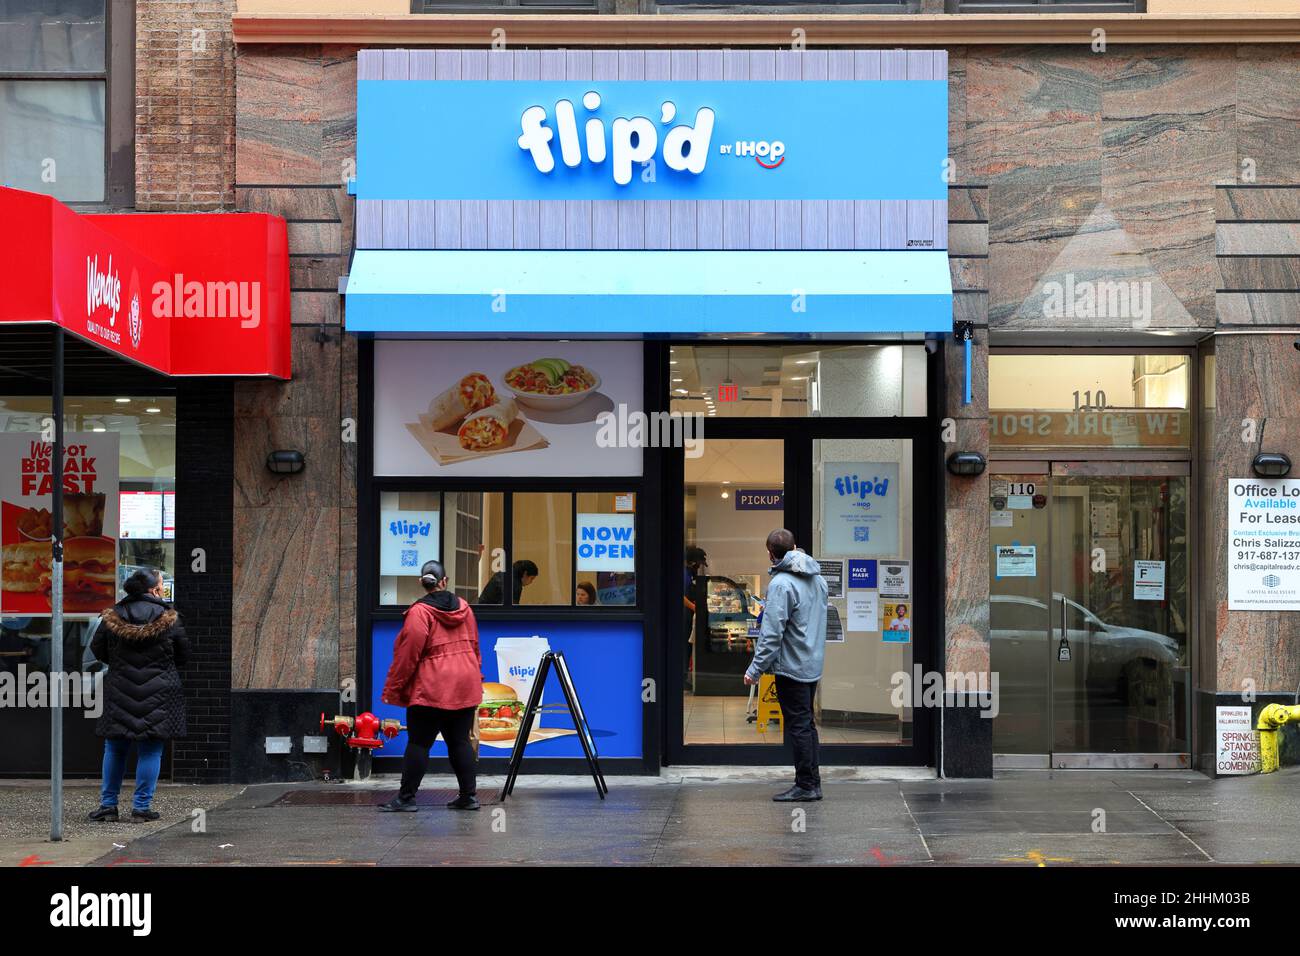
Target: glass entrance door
[(850, 501), (1089, 615)]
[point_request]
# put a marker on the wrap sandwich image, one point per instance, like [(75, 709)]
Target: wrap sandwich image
[(470, 394), (488, 427)]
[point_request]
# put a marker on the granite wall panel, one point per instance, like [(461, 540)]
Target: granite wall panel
[(1255, 380)]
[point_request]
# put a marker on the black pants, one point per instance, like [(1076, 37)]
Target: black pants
[(423, 725), (796, 699)]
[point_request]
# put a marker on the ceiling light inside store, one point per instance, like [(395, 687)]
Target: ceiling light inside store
[(153, 411), (122, 401)]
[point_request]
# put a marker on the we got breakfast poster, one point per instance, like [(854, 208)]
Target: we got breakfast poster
[(90, 523)]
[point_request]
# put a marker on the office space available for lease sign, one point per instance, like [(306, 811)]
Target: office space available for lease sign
[(90, 518), (1263, 544)]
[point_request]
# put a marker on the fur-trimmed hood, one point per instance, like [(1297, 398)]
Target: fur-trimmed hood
[(130, 631)]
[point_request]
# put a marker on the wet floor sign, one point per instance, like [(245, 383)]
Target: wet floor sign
[(768, 707)]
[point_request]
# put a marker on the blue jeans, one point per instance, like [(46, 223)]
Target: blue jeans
[(148, 762)]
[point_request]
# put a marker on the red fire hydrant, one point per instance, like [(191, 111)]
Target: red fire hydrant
[(364, 733)]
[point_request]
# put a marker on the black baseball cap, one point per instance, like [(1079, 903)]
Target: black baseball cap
[(698, 555), (433, 569)]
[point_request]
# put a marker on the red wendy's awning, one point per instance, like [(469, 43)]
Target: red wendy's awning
[(181, 293)]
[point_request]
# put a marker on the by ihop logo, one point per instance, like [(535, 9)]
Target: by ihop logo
[(768, 154), (631, 140)]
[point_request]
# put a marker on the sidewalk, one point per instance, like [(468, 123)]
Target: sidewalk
[(718, 817)]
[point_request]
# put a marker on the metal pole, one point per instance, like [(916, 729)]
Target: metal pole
[(56, 601)]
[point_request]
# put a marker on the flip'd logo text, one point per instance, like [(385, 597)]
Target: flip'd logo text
[(632, 140)]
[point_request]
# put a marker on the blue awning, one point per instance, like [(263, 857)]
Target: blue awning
[(648, 292)]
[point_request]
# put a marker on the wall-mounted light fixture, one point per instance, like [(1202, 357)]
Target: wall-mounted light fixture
[(1271, 464), (966, 463), (285, 462)]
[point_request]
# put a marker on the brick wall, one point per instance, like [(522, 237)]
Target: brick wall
[(205, 436), (185, 105)]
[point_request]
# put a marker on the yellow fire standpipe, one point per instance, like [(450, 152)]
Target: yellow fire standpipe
[(1271, 720)]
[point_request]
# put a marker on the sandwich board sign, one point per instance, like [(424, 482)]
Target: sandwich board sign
[(554, 659)]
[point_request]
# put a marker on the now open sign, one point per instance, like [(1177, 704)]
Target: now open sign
[(606, 542)]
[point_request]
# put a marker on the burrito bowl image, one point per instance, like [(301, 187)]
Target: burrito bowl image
[(551, 383)]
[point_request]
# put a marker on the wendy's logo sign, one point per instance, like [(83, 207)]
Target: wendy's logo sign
[(133, 321), (103, 289)]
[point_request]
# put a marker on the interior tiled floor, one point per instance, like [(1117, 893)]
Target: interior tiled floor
[(721, 720)]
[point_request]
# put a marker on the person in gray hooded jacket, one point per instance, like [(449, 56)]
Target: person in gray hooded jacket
[(792, 645)]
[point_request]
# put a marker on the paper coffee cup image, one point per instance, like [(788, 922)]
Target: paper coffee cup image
[(517, 661)]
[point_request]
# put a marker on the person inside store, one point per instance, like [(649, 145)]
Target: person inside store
[(697, 563), (792, 645), (585, 594), (142, 641), (437, 675), (522, 573)]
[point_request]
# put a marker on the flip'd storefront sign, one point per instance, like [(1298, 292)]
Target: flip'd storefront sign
[(632, 139)]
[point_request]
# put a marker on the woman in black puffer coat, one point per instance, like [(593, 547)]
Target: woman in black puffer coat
[(142, 641)]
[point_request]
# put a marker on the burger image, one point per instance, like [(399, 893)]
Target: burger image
[(26, 566), (89, 574), (501, 712)]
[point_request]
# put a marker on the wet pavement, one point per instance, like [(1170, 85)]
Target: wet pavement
[(727, 818)]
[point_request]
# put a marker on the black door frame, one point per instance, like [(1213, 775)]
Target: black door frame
[(928, 560)]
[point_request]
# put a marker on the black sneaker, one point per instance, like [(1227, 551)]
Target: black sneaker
[(798, 794), (144, 816), (103, 815), (399, 804), (465, 802)]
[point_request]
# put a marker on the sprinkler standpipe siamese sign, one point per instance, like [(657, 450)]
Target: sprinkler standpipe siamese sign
[(1263, 544)]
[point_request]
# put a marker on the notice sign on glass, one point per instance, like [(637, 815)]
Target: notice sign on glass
[(1148, 580), (1263, 544), (606, 542), (1017, 561), (407, 539), (860, 508)]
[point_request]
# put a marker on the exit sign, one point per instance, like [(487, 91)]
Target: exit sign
[(728, 392)]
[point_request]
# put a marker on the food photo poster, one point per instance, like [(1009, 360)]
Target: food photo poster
[(90, 519), (491, 409), (605, 659)]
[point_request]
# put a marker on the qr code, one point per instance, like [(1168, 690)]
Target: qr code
[(409, 558), (861, 533)]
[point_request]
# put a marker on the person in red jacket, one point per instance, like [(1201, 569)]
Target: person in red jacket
[(437, 675)]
